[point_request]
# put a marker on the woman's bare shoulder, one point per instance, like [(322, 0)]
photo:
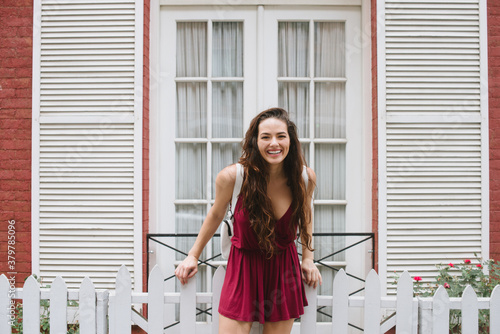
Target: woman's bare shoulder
[(226, 177)]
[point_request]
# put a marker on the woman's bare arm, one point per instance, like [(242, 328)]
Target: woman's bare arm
[(310, 272), (224, 185)]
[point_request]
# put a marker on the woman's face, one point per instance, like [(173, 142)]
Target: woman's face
[(273, 140)]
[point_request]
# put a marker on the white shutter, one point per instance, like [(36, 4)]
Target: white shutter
[(87, 140), (433, 166)]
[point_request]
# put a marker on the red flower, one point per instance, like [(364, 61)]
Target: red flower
[(479, 266), (417, 278), (467, 261), (446, 285), (451, 265)]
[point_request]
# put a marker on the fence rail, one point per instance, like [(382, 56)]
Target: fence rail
[(111, 311)]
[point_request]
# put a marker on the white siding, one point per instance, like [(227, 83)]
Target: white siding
[(432, 125), (87, 140)]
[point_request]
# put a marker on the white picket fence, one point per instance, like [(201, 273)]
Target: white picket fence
[(110, 311)]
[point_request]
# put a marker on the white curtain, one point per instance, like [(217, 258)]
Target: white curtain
[(193, 120), (227, 96), (329, 119)]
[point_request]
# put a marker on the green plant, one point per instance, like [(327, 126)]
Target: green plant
[(455, 277), (17, 322)]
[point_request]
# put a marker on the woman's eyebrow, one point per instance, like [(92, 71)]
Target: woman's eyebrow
[(279, 133)]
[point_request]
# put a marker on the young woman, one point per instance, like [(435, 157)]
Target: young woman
[(264, 278)]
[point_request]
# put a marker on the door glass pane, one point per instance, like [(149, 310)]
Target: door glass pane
[(293, 49), (227, 51), (191, 171), (329, 101), (329, 49), (330, 170), (188, 219), (191, 49), (191, 109), (227, 110), (294, 97), (223, 154), (329, 219)]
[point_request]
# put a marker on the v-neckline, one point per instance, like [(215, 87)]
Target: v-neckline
[(285, 213)]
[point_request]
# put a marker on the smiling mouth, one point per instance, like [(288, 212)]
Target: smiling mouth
[(274, 152)]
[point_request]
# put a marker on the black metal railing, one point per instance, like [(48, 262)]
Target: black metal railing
[(367, 237)]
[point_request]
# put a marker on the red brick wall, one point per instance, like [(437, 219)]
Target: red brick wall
[(16, 35), (494, 124), (374, 131)]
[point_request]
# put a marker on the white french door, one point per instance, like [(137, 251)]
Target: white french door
[(312, 70), (219, 67)]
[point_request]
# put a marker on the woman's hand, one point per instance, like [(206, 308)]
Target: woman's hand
[(310, 273), (187, 269)]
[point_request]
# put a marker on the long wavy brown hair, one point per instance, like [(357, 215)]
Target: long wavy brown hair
[(254, 188)]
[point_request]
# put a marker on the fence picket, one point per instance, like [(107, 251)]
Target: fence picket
[(404, 304), (441, 311), (121, 311), (5, 309), (187, 314), (340, 311), (58, 306), (308, 319), (156, 301), (469, 311), (495, 309), (372, 303), (217, 282), (102, 312), (31, 306), (5, 326), (87, 307)]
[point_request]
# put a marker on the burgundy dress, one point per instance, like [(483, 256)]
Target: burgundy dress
[(257, 288)]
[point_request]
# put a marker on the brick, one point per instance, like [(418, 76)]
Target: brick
[(18, 22), (17, 62), (16, 124), (7, 73), (17, 83)]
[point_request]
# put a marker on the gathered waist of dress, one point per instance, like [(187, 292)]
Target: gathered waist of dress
[(280, 248)]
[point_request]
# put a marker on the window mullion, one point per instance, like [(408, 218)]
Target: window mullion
[(208, 276), (311, 94)]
